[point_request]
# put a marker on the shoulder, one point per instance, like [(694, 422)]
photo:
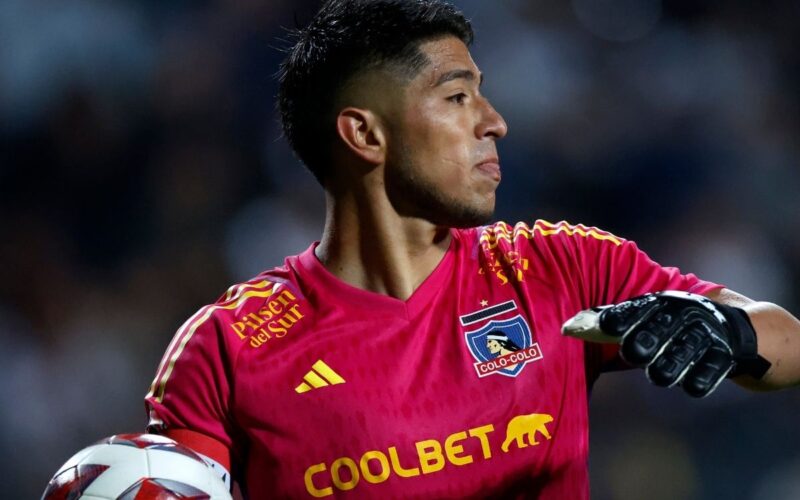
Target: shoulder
[(207, 345), (241, 310), (255, 292), (503, 236), (262, 297), (544, 250)]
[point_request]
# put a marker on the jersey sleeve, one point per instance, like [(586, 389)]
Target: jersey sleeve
[(192, 388), (616, 270), (607, 269)]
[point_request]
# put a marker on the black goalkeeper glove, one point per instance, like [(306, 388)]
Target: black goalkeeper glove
[(677, 337)]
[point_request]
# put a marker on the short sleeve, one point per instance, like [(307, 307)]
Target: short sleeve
[(192, 388), (605, 269), (617, 270)]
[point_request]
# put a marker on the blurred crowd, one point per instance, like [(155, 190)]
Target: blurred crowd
[(142, 171)]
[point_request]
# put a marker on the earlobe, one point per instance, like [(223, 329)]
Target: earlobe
[(361, 133)]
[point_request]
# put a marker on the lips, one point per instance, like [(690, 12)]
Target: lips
[(490, 167)]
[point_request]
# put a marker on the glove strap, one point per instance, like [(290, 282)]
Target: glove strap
[(745, 347)]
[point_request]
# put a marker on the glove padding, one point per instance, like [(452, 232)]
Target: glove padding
[(677, 337)]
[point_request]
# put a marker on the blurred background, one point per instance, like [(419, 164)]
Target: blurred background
[(142, 172)]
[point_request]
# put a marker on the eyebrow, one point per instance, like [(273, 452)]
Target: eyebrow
[(466, 74)]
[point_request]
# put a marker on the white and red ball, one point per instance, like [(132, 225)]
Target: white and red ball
[(136, 467)]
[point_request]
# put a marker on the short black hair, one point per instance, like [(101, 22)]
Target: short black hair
[(505, 342), (343, 39)]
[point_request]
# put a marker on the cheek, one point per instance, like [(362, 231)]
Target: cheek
[(443, 142), (439, 142)]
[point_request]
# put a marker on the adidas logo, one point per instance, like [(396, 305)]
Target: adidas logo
[(321, 375)]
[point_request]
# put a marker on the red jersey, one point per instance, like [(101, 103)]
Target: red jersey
[(466, 389)]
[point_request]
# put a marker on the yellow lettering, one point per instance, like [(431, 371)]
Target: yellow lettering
[(275, 307), (285, 297), (398, 469), (452, 449), (337, 478), (309, 480), (278, 331), (260, 338), (297, 314), (287, 320), (502, 277), (430, 456), (256, 320), (238, 327), (480, 433), (251, 324), (265, 313), (383, 475)]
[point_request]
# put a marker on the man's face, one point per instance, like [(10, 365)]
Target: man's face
[(494, 346), (442, 163)]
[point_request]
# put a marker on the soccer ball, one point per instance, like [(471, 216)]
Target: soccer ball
[(136, 467)]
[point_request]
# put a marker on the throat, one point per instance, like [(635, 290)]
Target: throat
[(388, 266)]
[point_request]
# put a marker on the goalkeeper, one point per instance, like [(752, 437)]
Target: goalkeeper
[(416, 350)]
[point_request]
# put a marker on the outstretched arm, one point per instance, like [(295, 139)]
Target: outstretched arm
[(778, 334), (697, 341)]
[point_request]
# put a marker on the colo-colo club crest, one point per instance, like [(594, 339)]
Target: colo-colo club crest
[(500, 340)]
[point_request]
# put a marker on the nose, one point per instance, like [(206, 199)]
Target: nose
[(491, 123)]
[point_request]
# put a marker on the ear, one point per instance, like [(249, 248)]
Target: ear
[(362, 133)]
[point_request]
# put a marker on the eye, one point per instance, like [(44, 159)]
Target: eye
[(458, 98)]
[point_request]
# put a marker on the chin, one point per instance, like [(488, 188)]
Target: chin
[(433, 203)]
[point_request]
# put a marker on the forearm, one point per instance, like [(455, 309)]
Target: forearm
[(778, 333)]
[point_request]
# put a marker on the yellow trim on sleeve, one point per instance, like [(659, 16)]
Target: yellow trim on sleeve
[(184, 338), (233, 293), (501, 231), (236, 290), (570, 230)]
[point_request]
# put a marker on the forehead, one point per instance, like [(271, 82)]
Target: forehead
[(445, 54)]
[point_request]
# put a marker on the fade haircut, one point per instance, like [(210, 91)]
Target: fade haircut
[(344, 39)]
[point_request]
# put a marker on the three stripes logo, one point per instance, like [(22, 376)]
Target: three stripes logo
[(320, 375)]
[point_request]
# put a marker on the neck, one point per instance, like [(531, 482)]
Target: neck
[(367, 244)]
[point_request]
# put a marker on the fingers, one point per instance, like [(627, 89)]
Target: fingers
[(622, 318), (676, 337), (708, 372), (679, 356), (688, 357), (648, 339)]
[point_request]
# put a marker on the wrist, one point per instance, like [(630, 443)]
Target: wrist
[(744, 343)]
